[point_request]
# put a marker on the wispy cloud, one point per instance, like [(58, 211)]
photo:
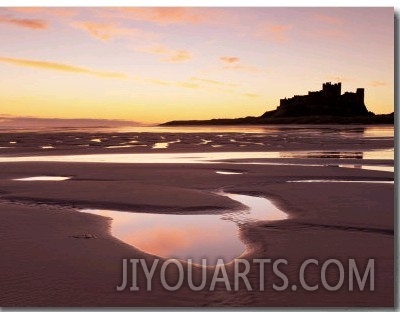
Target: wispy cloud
[(377, 83), (333, 20), (213, 82), (214, 86), (274, 32), (165, 15), (170, 55), (235, 63), (61, 67), (50, 11), (339, 78), (35, 24), (107, 31), (327, 33), (189, 85), (193, 83), (178, 56), (229, 59), (251, 95), (157, 82)]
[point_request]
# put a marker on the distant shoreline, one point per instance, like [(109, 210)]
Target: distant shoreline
[(309, 120)]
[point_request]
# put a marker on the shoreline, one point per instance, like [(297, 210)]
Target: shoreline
[(276, 138), (313, 218), (49, 259), (8, 155), (268, 119)]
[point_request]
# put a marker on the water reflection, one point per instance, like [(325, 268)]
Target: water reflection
[(160, 145), (323, 154), (43, 178), (164, 144), (191, 236), (202, 157), (382, 154), (119, 146), (228, 172), (260, 208), (369, 167), (339, 181), (379, 131)]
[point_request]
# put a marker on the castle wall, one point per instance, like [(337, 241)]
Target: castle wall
[(328, 101)]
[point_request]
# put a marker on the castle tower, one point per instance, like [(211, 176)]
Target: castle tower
[(339, 88), (332, 90), (360, 95)]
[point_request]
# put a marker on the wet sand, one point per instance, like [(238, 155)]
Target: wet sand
[(46, 262), (184, 140)]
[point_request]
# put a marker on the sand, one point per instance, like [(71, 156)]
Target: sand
[(200, 139), (46, 262)]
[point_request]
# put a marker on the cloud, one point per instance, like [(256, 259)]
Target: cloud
[(171, 56), (196, 83), (274, 32), (157, 82), (166, 15), (234, 63), (339, 78), (188, 85), (107, 31), (377, 83), (62, 67), (327, 33), (329, 26), (178, 56), (229, 59), (192, 83), (327, 19), (251, 95), (35, 24), (209, 85), (213, 82), (57, 12)]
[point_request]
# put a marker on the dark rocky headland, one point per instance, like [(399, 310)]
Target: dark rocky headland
[(327, 106)]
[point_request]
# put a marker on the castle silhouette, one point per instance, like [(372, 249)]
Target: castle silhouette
[(327, 106), (328, 101)]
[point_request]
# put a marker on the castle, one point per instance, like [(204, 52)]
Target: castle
[(328, 101)]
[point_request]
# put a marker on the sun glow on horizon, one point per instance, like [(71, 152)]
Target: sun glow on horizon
[(153, 65)]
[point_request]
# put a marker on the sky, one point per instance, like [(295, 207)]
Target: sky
[(155, 64)]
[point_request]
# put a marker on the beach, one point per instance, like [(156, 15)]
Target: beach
[(335, 183)]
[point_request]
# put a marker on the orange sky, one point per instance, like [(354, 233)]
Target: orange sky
[(158, 64)]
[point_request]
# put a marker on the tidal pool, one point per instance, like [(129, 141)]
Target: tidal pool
[(195, 237), (340, 181), (119, 146), (370, 167), (160, 145), (371, 154), (43, 178), (228, 172)]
